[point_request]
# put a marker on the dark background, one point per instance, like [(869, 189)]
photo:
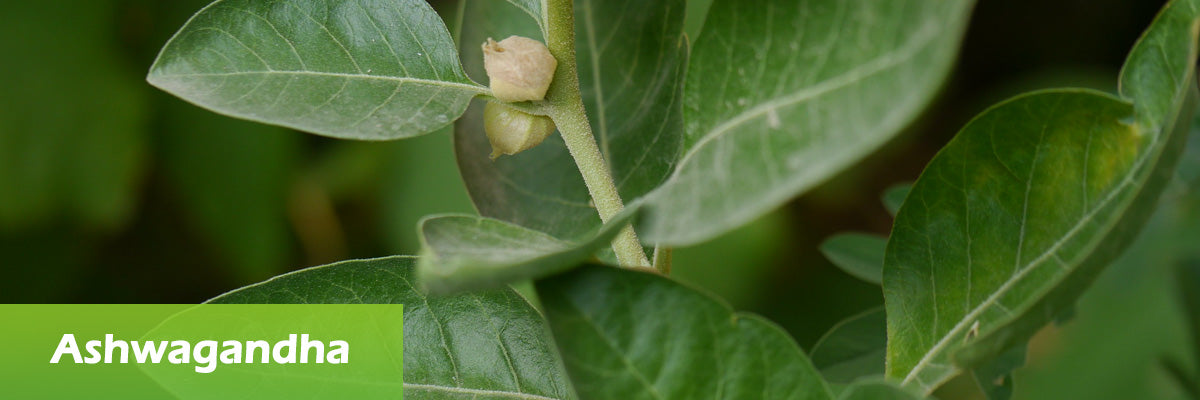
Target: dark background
[(114, 192)]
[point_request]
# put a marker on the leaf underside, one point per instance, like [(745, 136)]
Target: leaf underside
[(1014, 218), (783, 95), (633, 335), (354, 69), (483, 345)]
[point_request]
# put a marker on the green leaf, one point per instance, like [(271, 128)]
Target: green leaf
[(631, 59), (73, 118), (894, 196), (876, 390), (1015, 217), (785, 94), (483, 345), (355, 69), (466, 252), (859, 254), (633, 335), (854, 348)]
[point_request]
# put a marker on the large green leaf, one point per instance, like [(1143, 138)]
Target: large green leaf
[(631, 57), (854, 348), (466, 252), (859, 254), (784, 94), (484, 345), (358, 69), (1014, 218), (72, 118), (633, 335)]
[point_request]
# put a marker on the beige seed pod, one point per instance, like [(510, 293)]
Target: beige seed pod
[(519, 68), (512, 131)]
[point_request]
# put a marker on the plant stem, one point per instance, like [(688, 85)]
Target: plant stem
[(662, 259), (568, 113), (577, 133)]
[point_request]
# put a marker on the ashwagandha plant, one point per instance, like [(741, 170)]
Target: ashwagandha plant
[(667, 139)]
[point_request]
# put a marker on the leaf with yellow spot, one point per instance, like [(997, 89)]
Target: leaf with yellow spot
[(1017, 215)]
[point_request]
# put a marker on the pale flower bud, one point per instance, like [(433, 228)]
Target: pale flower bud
[(519, 68), (512, 131)]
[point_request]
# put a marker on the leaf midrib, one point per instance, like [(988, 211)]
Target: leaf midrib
[(865, 70), (476, 392), (473, 88)]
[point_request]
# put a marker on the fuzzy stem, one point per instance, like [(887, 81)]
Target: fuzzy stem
[(568, 113)]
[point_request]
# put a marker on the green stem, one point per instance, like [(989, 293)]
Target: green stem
[(662, 259), (568, 113)]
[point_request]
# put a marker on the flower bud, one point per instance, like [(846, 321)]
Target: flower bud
[(512, 131), (519, 68)]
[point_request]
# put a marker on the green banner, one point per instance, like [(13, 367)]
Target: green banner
[(209, 351)]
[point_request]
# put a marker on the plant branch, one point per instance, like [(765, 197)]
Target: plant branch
[(568, 113)]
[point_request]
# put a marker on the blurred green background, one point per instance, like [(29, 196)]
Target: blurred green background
[(113, 192)]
